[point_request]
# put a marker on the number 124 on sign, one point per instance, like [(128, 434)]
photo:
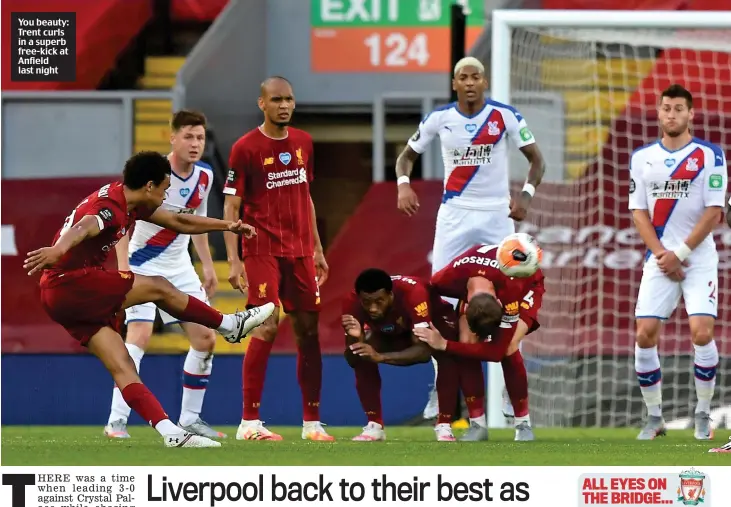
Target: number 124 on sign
[(369, 50)]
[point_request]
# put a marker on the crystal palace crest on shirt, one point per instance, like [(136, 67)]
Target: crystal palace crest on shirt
[(691, 490)]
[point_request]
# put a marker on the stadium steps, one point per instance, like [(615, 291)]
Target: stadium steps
[(152, 116), (595, 91)]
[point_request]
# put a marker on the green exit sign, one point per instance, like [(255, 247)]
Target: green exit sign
[(403, 13)]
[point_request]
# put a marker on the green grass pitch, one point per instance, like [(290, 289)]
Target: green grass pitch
[(85, 445)]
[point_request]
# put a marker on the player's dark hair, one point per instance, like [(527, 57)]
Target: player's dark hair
[(484, 313), (146, 166), (675, 91), (187, 117), (372, 280)]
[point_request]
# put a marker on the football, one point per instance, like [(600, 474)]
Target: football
[(519, 255)]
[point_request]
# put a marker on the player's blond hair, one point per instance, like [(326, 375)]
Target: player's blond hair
[(469, 61)]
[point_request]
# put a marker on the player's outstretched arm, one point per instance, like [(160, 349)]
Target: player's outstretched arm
[(88, 227), (193, 224)]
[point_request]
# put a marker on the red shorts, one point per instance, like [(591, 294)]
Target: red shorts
[(85, 300), (289, 281)]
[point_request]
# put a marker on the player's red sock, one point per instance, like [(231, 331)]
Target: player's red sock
[(141, 400), (472, 383), (516, 383), (368, 385), (253, 372), (447, 387), (309, 375), (196, 311)]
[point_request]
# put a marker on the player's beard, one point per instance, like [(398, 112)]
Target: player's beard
[(675, 132), (281, 124)]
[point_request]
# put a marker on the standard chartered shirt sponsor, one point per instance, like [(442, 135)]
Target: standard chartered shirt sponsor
[(286, 178)]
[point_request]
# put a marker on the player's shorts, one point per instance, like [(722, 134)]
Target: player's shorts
[(85, 300), (659, 295), (459, 229), (287, 281), (185, 281)]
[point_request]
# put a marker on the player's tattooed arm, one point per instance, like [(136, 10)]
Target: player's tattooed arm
[(87, 227), (122, 251), (537, 164), (408, 202), (194, 224), (519, 207)]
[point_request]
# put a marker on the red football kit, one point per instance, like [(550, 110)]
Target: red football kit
[(272, 177), (415, 304), (521, 297), (77, 292)]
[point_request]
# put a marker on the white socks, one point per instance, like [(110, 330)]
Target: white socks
[(120, 409), (196, 371), (647, 367), (705, 364), (227, 325), (166, 428)]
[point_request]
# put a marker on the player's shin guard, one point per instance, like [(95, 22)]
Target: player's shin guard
[(472, 383), (647, 366), (447, 387), (144, 403), (705, 364), (198, 312), (309, 376), (254, 371), (120, 410), (368, 386), (196, 372), (516, 383)]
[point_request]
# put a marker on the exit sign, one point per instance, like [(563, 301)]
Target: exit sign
[(386, 35)]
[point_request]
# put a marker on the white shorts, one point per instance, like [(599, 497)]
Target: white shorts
[(459, 229), (659, 295), (186, 281)]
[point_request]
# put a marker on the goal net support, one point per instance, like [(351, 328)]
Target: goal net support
[(607, 68)]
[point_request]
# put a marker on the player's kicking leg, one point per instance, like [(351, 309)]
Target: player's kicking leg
[(139, 321), (158, 290), (108, 346), (196, 374)]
